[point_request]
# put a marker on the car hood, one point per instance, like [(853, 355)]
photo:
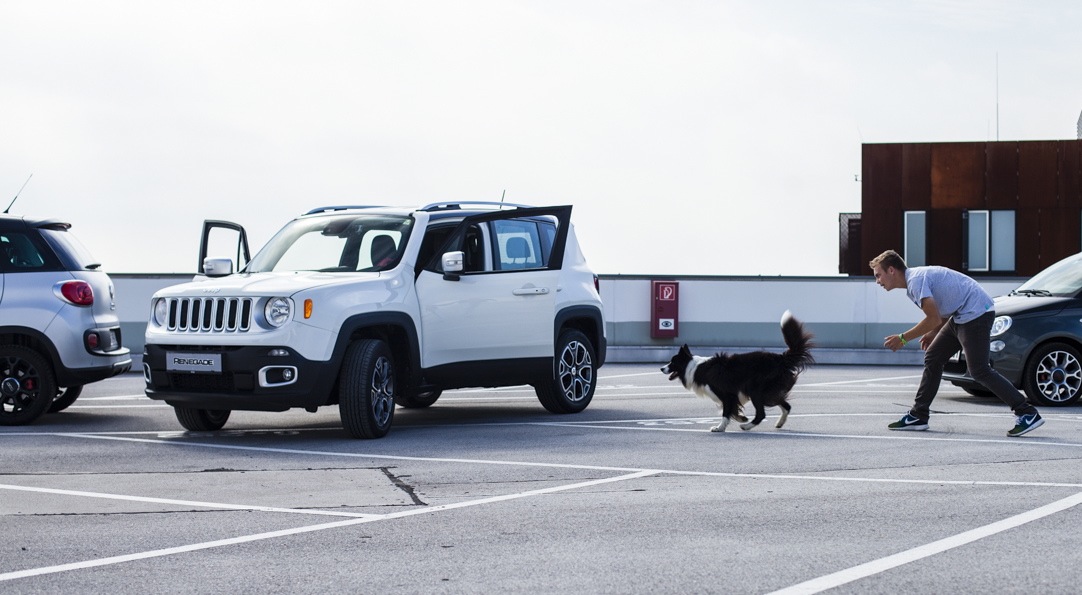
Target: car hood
[(262, 284), (1013, 305)]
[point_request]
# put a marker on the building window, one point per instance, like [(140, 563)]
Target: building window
[(989, 241), (915, 239), (977, 241), (1002, 241)]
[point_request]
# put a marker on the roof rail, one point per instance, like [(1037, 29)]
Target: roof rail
[(458, 204), (341, 208)]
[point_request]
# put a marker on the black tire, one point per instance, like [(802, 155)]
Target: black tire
[(27, 385), (201, 420), (418, 401), (1053, 375), (366, 389), (65, 396), (574, 376)]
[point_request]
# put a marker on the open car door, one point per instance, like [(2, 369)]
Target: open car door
[(225, 245)]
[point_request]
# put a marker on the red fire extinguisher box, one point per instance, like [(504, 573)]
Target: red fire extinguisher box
[(665, 309)]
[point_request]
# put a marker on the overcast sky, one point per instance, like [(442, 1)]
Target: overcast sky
[(692, 137)]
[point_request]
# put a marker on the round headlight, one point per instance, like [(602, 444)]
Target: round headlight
[(277, 311), (1000, 325), (160, 312)]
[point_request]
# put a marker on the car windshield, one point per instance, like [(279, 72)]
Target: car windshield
[(1063, 279), (335, 243)]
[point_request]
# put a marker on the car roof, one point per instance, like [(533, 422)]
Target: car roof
[(439, 210), (11, 221)]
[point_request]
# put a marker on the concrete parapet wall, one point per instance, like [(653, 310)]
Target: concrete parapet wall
[(849, 316)]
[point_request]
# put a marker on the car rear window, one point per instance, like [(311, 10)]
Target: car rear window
[(69, 248)]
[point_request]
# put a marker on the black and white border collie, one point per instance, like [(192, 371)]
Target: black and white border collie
[(764, 378)]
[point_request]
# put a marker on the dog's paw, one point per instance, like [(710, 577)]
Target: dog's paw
[(720, 427), (740, 417), (748, 426)]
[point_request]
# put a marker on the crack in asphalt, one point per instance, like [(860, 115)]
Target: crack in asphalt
[(405, 487)]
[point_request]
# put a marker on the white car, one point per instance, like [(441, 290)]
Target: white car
[(59, 328), (372, 307)]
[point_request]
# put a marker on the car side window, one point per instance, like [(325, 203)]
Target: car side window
[(518, 245), (19, 253)]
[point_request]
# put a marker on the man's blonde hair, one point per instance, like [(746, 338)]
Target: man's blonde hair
[(888, 259)]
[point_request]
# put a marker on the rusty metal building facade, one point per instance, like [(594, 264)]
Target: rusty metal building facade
[(985, 208)]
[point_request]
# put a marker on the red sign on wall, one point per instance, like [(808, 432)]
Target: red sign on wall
[(664, 309)]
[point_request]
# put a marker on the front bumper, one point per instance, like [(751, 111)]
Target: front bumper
[(250, 378), (1009, 366)]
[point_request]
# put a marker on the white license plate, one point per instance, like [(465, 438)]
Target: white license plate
[(210, 363)]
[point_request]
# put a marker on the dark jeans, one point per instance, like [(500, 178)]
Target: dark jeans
[(972, 338)]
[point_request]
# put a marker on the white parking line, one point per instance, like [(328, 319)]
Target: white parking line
[(936, 547), (217, 505), (309, 529), (294, 451)]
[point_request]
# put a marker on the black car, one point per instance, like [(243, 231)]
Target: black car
[(1036, 338)]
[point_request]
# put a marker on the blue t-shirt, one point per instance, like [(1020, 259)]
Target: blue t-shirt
[(955, 294)]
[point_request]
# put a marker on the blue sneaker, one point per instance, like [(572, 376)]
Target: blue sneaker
[(1025, 424), (910, 422)]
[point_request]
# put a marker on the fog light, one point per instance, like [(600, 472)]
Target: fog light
[(92, 341), (273, 376), (278, 352), (996, 346)]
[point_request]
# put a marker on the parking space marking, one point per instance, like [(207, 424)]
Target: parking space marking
[(867, 569), (813, 586), (149, 500), (312, 528), (294, 451)]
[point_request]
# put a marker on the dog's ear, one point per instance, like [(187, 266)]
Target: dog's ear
[(685, 349)]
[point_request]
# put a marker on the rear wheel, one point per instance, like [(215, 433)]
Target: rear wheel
[(366, 389), (65, 396), (201, 420), (574, 375), (1054, 375), (27, 387)]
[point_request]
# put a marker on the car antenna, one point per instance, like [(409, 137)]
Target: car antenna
[(18, 193), (502, 196)]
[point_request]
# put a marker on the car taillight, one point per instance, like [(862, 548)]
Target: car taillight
[(78, 293)]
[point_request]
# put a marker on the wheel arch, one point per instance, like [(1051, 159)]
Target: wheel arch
[(588, 320), (397, 329), (33, 339)]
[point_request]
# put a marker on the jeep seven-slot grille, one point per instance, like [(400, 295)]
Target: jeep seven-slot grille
[(211, 314)]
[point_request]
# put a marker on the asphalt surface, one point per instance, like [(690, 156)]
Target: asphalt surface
[(486, 492)]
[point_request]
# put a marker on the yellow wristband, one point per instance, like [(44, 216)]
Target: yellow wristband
[(902, 337)]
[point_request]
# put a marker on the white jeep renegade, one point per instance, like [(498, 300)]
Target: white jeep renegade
[(372, 307)]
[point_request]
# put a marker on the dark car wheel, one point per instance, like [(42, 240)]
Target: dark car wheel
[(366, 389), (574, 377), (27, 387), (65, 396), (1054, 375), (418, 401), (201, 420)]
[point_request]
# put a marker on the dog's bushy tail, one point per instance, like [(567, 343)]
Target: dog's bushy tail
[(799, 341)]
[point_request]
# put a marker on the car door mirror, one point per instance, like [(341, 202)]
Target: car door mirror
[(217, 267), (452, 263)]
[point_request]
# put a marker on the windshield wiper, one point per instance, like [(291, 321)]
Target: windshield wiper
[(1039, 292)]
